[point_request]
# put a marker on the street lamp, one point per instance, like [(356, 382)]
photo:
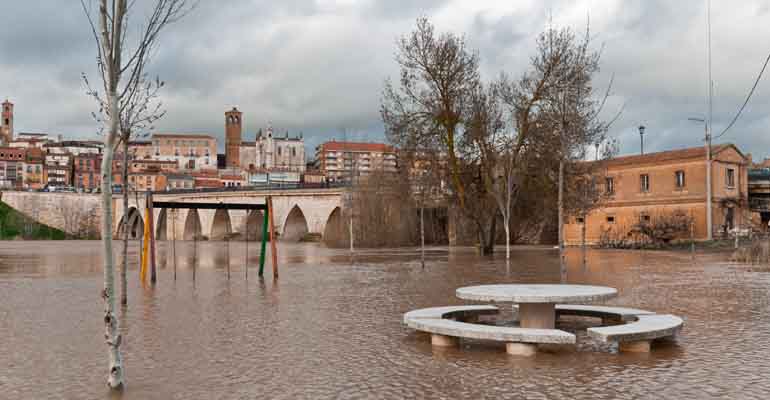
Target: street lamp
[(641, 136)]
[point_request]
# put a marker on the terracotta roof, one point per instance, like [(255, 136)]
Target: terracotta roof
[(231, 177), (667, 156), (356, 146)]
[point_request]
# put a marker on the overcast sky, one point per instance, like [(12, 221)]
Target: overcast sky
[(319, 66)]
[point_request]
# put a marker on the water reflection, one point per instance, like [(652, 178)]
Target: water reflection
[(330, 327)]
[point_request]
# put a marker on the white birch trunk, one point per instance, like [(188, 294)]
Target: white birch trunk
[(111, 334), (507, 238), (422, 234), (124, 266)]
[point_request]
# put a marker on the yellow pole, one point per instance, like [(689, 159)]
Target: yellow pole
[(145, 246)]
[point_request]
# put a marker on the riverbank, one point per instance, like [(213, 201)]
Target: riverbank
[(16, 226)]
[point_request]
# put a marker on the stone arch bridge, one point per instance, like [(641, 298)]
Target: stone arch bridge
[(298, 212)]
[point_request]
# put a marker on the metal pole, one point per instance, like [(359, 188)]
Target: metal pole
[(264, 244), (273, 237), (195, 252), (227, 239), (173, 242), (153, 274), (709, 221), (246, 259)]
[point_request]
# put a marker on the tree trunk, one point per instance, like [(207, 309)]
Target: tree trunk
[(124, 266), (507, 226), (490, 244), (422, 234), (112, 335), (561, 215)]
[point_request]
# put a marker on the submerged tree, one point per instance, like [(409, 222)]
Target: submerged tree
[(504, 139), (121, 70)]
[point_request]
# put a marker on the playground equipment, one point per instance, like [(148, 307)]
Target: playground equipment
[(148, 243)]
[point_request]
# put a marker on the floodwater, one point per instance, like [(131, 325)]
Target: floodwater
[(330, 327)]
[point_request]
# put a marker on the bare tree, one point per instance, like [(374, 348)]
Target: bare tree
[(555, 111), (437, 73), (138, 113), (122, 79)]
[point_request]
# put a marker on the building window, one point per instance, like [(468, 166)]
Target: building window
[(579, 220), (644, 183), (679, 179), (610, 185), (279, 150), (730, 177), (645, 218), (610, 219)]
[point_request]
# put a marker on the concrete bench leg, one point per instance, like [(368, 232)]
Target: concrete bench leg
[(442, 340), (537, 315), (521, 349), (641, 346)]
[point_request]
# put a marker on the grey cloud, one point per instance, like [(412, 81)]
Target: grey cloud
[(319, 66)]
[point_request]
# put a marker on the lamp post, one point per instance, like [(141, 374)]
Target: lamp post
[(641, 136)]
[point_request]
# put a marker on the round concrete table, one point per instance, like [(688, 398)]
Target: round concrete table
[(536, 302)]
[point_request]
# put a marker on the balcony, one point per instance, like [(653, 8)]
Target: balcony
[(759, 203)]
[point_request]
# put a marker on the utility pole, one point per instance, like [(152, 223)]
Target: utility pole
[(709, 221)]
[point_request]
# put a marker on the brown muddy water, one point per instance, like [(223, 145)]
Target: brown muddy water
[(330, 327)]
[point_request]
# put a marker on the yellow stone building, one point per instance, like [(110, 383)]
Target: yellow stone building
[(641, 187)]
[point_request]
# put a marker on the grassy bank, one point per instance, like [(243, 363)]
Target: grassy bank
[(14, 225)]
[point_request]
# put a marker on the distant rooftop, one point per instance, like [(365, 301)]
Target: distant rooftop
[(355, 146), (668, 155)]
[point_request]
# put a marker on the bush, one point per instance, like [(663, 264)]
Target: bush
[(665, 227)]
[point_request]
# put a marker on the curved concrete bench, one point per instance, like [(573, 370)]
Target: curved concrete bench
[(606, 313), (445, 332), (637, 336), (460, 313)]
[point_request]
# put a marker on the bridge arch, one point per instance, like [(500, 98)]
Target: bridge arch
[(192, 225), (221, 227), (335, 233), (255, 222), (133, 222), (161, 231), (295, 227)]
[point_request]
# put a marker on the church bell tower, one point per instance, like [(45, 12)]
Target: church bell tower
[(6, 124), (233, 131)]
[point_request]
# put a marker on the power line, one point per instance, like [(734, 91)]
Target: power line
[(756, 82)]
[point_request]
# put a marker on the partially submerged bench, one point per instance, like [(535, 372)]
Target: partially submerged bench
[(445, 332), (637, 336), (606, 313), (459, 313)]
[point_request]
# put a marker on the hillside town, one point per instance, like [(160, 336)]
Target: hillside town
[(178, 161)]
